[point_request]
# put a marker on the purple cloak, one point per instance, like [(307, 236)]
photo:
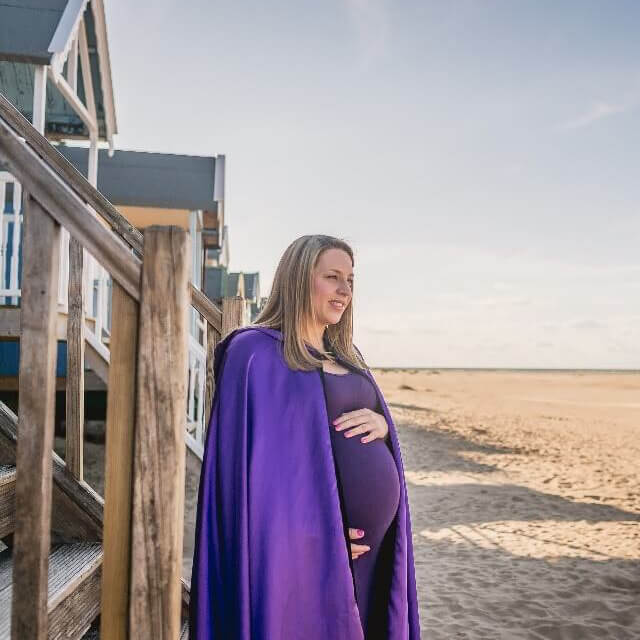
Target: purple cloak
[(271, 560)]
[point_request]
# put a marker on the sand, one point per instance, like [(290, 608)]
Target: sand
[(525, 498)]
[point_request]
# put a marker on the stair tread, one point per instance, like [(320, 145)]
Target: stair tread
[(7, 470), (67, 562), (7, 499), (94, 634)]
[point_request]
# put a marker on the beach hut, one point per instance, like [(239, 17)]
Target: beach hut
[(54, 67), (220, 284), (186, 191)]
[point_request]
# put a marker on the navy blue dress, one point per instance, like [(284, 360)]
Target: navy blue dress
[(370, 489)]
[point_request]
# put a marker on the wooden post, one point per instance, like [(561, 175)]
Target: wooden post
[(232, 318), (41, 255), (159, 451), (114, 619), (74, 437), (232, 314), (213, 337)]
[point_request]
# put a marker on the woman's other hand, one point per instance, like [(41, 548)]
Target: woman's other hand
[(357, 549), (362, 421)]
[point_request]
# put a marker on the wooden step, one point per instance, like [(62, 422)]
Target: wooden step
[(75, 572), (77, 510), (7, 499), (94, 634)]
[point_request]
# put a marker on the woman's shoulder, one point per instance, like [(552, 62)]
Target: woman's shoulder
[(246, 342), (244, 346)]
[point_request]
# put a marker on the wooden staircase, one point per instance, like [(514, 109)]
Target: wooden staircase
[(70, 555), (75, 565), (74, 573), (75, 559)]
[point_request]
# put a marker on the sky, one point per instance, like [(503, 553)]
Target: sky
[(480, 156)]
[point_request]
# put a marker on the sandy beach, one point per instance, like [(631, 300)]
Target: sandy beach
[(525, 498), (525, 501)]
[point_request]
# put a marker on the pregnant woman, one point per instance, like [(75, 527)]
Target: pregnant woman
[(303, 528)]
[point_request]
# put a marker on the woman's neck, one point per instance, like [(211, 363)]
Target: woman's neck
[(313, 335)]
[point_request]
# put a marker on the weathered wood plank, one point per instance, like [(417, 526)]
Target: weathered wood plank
[(209, 310), (75, 364), (76, 509), (74, 599), (41, 248), (159, 454), (114, 621), (73, 589), (7, 499)]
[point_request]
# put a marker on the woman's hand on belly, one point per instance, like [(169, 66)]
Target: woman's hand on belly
[(362, 421), (357, 549)]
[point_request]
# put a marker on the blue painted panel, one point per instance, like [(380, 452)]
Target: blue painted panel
[(10, 359)]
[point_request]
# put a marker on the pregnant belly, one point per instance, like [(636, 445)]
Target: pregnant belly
[(370, 484)]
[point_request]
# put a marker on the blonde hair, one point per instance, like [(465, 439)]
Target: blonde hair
[(289, 306)]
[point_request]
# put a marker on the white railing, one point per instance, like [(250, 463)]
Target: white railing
[(10, 234), (97, 300), (195, 394)]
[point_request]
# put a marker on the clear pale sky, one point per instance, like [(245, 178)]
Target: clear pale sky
[(482, 158)]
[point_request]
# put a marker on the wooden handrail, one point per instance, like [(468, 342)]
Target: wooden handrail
[(71, 179), (69, 210), (71, 176)]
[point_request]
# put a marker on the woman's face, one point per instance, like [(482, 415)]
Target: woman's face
[(332, 280)]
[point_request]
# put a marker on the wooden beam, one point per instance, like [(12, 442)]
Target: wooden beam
[(72, 65), (72, 98), (104, 62), (41, 248), (39, 97), (87, 80), (67, 26), (159, 455), (114, 621), (74, 437), (204, 305)]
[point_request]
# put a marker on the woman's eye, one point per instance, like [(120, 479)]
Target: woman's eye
[(336, 277)]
